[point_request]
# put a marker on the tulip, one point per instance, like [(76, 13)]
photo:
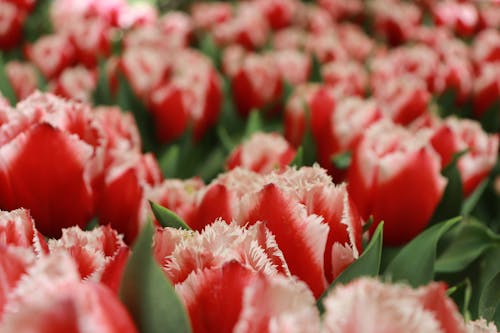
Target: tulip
[(13, 17), (177, 195), (462, 18), (455, 135), (390, 308), (486, 90), (51, 54), (54, 184), (486, 47), (235, 299), (22, 77), (207, 15), (395, 177), (262, 153), (256, 81), (121, 196), (17, 229), (100, 254), (191, 95), (279, 13), (313, 220), (182, 253), (52, 298), (76, 83), (481, 326)]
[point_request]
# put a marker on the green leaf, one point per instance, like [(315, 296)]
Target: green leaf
[(446, 103), (461, 294), (5, 87), (211, 50), (368, 264), (148, 294), (102, 92), (315, 70), (415, 262), (489, 302), (491, 118), (167, 218), (298, 160), (254, 123), (342, 160), (169, 161), (470, 203), (94, 223), (451, 202), (225, 139), (470, 241)]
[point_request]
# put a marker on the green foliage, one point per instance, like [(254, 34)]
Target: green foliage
[(148, 294), (167, 218), (415, 262), (5, 88)]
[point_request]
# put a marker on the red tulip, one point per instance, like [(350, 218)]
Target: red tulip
[(481, 326), (279, 13), (177, 195), (51, 54), (358, 45), (144, 68), (247, 27), (395, 177), (11, 22), (122, 193), (313, 220), (182, 253), (403, 98), (190, 95), (233, 298), (463, 18), (91, 37), (369, 305), (207, 15), (486, 88), (308, 106), (14, 262), (54, 184), (100, 255), (294, 66), (455, 135), (177, 27), (349, 74), (486, 47), (17, 229), (262, 153), (340, 9), (256, 81), (52, 298), (344, 129), (119, 128), (396, 21), (22, 77), (76, 83)]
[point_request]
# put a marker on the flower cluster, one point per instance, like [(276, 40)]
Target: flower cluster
[(253, 166)]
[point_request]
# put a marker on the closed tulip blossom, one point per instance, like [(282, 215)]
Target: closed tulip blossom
[(313, 220), (100, 254), (233, 298), (22, 77), (52, 298), (455, 135), (55, 184), (262, 153), (390, 308), (395, 177)]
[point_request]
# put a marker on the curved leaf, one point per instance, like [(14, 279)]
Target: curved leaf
[(489, 303), (415, 262), (167, 218), (368, 264), (148, 294), (472, 240), (5, 87)]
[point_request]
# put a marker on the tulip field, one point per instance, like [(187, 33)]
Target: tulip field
[(281, 166)]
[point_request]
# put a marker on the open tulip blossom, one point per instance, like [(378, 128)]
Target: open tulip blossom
[(256, 166)]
